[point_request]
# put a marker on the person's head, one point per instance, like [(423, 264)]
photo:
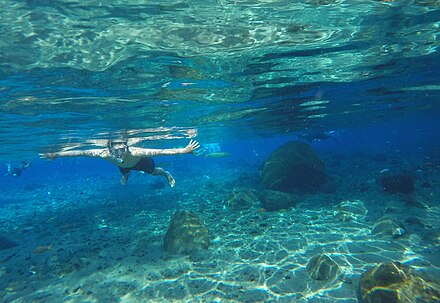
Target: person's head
[(118, 150)]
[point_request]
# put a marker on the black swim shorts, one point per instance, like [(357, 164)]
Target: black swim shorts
[(145, 164)]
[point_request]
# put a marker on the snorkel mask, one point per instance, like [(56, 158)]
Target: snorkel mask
[(118, 150)]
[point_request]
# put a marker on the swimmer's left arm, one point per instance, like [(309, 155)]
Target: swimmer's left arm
[(147, 152)]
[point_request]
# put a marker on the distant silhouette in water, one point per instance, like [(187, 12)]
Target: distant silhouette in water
[(129, 158), (318, 136), (16, 171), (6, 243)]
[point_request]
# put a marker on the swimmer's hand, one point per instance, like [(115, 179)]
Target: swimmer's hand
[(191, 147), (49, 156)]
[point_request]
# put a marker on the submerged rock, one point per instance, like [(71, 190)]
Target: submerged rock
[(393, 282), (186, 234), (350, 210), (294, 167), (273, 200), (426, 185), (413, 220), (321, 267), (5, 243), (394, 184), (241, 198), (388, 227)]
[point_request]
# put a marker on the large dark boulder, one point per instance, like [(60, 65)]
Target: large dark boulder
[(294, 166), (186, 234), (394, 282)]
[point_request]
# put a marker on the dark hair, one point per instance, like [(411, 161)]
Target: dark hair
[(110, 143)]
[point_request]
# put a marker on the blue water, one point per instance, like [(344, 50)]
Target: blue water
[(358, 82)]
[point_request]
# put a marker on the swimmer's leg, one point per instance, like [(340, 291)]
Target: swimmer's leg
[(159, 171), (124, 178)]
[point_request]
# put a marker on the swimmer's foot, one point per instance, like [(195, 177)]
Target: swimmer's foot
[(170, 179), (124, 180)]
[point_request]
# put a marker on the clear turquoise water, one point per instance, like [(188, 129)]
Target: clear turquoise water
[(245, 76)]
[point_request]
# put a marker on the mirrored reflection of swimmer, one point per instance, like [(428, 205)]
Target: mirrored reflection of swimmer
[(129, 158), (16, 171)]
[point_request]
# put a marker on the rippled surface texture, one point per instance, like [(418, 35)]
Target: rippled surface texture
[(72, 71)]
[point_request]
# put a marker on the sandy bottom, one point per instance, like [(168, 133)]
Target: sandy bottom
[(89, 239)]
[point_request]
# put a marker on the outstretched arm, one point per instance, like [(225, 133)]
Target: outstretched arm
[(189, 149), (98, 153)]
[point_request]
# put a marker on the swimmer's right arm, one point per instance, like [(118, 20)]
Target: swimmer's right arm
[(100, 153)]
